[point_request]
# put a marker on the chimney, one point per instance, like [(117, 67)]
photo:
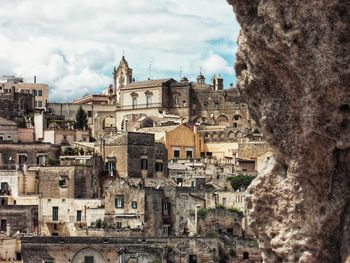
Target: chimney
[(34, 79)]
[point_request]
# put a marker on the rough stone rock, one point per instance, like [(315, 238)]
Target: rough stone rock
[(293, 66)]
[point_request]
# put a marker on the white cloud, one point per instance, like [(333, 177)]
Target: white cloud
[(73, 44)]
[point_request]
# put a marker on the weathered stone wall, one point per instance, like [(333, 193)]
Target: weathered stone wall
[(293, 67), (142, 250), (21, 218), (9, 153)]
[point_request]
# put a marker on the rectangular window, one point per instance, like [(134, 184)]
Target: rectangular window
[(62, 183), (192, 259), (216, 105), (34, 92), (193, 184), (55, 213), (144, 164), (119, 201), (3, 225), (176, 153), (40, 160), (166, 208), (40, 103), (119, 225), (134, 204), (40, 93), (88, 259), (148, 101), (134, 103), (166, 230), (189, 154), (224, 201), (89, 113), (179, 181), (78, 215), (159, 167)]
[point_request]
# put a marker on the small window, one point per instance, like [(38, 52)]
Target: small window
[(89, 259), (216, 105), (148, 101), (134, 102), (205, 106), (119, 225), (78, 215), (89, 113), (193, 184), (134, 204), (40, 93), (176, 153), (224, 201), (144, 164), (159, 167), (166, 208), (40, 103), (62, 183), (192, 258), (49, 260), (245, 255), (55, 213), (3, 225), (119, 201), (188, 154), (166, 230)]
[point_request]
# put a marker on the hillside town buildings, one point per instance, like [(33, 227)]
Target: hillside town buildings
[(148, 179)]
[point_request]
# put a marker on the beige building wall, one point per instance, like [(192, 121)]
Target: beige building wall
[(39, 90), (155, 94), (8, 249), (220, 150)]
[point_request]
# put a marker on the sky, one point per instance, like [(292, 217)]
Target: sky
[(73, 45)]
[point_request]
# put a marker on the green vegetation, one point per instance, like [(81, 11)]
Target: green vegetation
[(53, 162), (71, 151), (212, 234), (202, 212), (241, 181), (81, 119), (235, 210)]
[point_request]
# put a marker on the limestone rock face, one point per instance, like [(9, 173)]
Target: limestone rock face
[(293, 66)]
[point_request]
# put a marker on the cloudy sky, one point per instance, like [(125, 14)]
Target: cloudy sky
[(73, 45)]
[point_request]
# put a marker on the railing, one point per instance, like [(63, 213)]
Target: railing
[(141, 106)]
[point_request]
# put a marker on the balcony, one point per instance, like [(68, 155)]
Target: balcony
[(141, 106)]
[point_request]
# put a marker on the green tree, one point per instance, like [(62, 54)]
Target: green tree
[(81, 119), (241, 181)]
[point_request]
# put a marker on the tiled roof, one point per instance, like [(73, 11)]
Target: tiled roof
[(147, 83)]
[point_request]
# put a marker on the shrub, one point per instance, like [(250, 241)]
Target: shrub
[(53, 162), (202, 212), (235, 210), (241, 181)]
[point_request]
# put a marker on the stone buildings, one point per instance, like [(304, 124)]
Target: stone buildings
[(135, 155), (40, 91)]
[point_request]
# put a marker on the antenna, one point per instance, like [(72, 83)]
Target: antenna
[(150, 69), (123, 53), (180, 72)]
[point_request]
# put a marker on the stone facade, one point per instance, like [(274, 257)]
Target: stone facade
[(131, 250), (39, 91), (134, 155), (15, 105), (68, 182), (8, 131), (26, 154), (18, 218)]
